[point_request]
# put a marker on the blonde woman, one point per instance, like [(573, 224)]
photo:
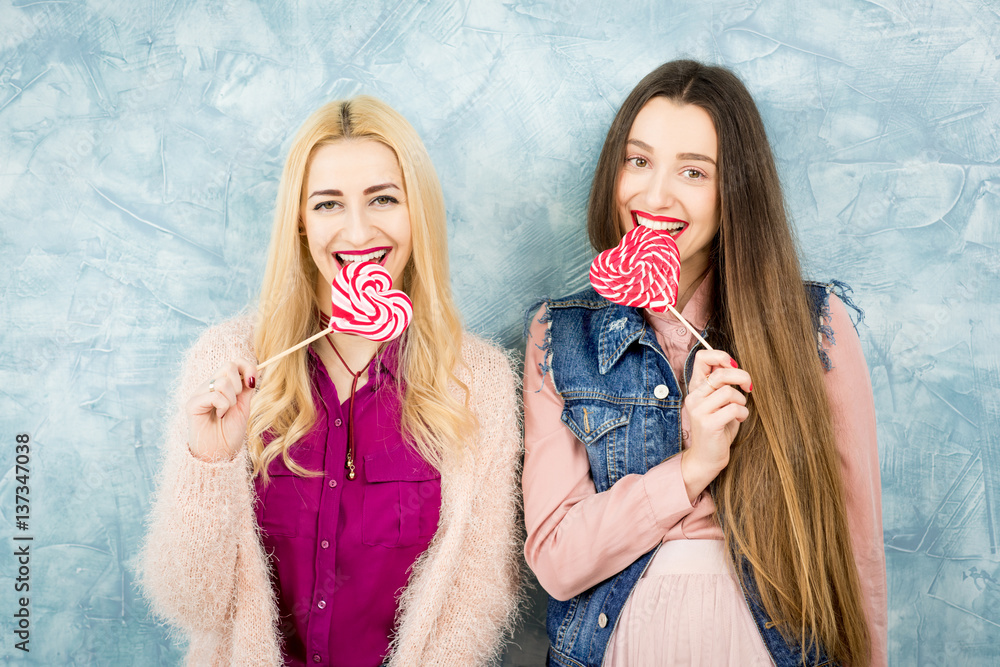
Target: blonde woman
[(353, 504)]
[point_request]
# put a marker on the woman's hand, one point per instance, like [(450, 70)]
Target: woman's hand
[(218, 413), (716, 409)]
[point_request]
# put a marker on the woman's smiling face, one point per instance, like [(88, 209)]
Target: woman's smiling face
[(669, 180), (354, 208)]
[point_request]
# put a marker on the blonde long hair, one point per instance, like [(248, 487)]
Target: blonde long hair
[(433, 419), (780, 500)]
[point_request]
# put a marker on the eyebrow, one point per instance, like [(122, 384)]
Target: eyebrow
[(369, 190), (680, 156)]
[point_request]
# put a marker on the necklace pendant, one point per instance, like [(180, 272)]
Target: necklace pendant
[(350, 470)]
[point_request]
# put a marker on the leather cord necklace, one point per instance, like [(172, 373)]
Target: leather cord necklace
[(349, 463)]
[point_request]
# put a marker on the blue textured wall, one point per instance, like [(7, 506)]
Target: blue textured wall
[(140, 146)]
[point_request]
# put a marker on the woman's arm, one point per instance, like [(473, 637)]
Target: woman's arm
[(852, 406), (187, 564), (576, 536)]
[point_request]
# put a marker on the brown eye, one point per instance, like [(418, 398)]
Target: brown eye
[(639, 162)]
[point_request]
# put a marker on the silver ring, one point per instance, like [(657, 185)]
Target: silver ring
[(708, 379), (211, 385)]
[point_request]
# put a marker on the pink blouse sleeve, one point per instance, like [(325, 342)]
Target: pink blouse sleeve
[(849, 389), (576, 536)]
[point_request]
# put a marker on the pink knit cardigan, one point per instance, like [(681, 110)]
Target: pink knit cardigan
[(205, 572)]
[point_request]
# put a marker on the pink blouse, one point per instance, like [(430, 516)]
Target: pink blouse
[(578, 537)]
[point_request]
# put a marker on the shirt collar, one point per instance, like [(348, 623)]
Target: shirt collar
[(621, 326), (386, 360), (696, 311)]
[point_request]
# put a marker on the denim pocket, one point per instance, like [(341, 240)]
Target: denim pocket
[(402, 497), (590, 420)]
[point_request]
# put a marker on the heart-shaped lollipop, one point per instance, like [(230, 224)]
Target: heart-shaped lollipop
[(365, 304), (642, 271)]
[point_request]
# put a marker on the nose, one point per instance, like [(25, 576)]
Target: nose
[(660, 191), (358, 228)]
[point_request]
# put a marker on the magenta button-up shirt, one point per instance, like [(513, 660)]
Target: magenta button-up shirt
[(342, 549)]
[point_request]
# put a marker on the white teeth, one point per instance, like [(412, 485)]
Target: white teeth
[(372, 256), (660, 226)]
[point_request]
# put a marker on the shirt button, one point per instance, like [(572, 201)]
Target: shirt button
[(661, 391), (337, 422), (321, 604), (602, 620), (325, 544), (333, 483), (317, 658)]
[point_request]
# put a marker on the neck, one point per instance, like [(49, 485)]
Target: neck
[(355, 350)]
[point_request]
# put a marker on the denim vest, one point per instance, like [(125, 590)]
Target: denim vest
[(611, 373)]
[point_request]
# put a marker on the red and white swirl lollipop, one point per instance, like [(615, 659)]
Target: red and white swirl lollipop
[(642, 271), (363, 304)]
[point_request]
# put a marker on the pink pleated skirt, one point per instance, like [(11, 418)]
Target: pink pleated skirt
[(687, 609)]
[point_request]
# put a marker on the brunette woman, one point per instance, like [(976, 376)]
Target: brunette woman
[(353, 504), (687, 506)]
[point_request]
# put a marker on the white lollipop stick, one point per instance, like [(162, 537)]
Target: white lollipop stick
[(690, 328), (292, 349)]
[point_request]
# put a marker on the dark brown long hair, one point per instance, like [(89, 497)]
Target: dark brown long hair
[(780, 500)]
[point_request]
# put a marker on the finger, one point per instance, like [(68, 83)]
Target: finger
[(720, 377), (730, 413), (248, 372), (716, 400), (209, 401), (233, 379), (708, 361), (224, 385), (222, 403)]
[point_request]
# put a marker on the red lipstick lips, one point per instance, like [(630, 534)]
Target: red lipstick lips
[(365, 251), (659, 220)]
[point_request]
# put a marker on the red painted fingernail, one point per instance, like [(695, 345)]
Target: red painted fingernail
[(751, 386), (732, 362), (252, 382)]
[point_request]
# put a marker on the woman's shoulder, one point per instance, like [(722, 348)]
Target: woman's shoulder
[(834, 314), (484, 358)]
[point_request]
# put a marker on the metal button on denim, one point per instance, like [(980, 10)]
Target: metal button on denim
[(661, 391), (602, 620)]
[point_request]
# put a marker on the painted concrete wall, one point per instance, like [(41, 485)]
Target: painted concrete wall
[(140, 146)]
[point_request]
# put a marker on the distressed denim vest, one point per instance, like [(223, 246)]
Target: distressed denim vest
[(623, 401)]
